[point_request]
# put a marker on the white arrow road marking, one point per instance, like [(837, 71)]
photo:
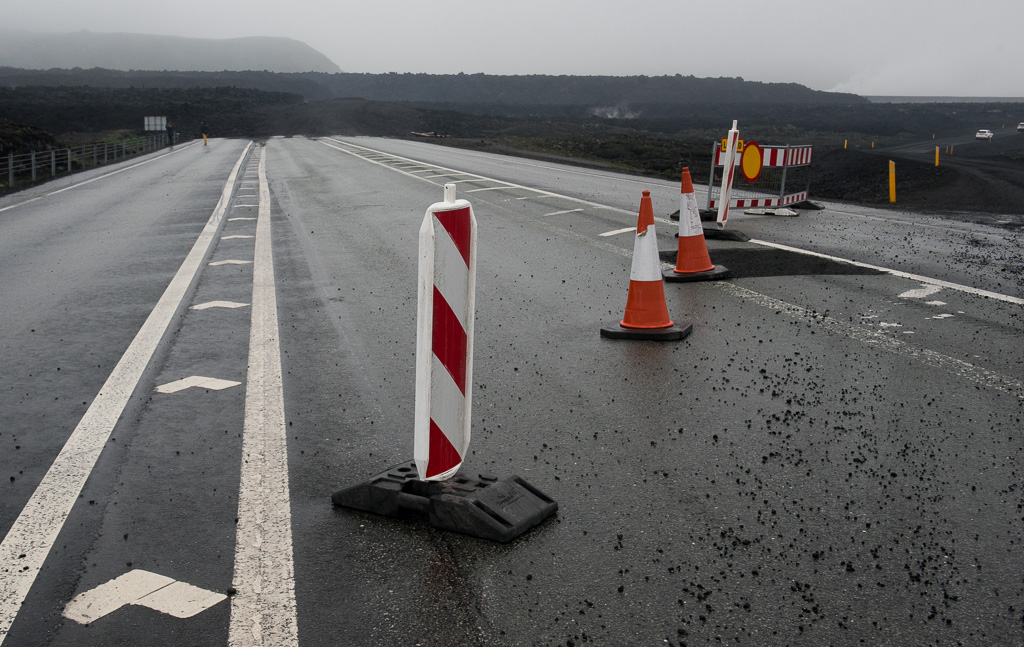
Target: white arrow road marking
[(231, 262), (218, 304), (922, 292), (145, 589), (34, 532), (197, 381)]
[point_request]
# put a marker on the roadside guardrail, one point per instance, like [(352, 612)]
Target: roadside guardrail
[(25, 169)]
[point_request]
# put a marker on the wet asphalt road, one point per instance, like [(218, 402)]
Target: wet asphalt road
[(832, 457)]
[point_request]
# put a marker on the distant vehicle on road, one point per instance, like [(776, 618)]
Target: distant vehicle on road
[(983, 134), (1020, 127)]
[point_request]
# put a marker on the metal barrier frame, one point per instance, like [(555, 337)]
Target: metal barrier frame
[(774, 157)]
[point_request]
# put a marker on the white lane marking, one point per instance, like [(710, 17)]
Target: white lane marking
[(616, 232), (885, 324), (244, 206), (486, 188), (29, 540), (263, 609), (559, 213), (236, 218), (942, 316), (481, 177), (142, 588), (196, 381), (952, 365), (935, 303), (236, 237), (906, 275), (229, 262), (91, 180), (882, 341), (218, 304), (922, 292), (508, 159)]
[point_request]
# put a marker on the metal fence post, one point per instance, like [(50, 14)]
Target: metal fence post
[(105, 146), (10, 170), (33, 166), (785, 166), (53, 162)]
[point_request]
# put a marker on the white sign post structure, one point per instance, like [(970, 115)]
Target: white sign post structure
[(444, 337), (484, 506), (728, 173)]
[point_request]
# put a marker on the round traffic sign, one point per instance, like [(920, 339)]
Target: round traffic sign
[(751, 162)]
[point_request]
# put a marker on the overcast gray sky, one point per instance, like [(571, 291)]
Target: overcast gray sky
[(899, 47)]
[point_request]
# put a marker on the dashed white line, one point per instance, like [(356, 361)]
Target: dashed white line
[(29, 540), (914, 277), (487, 188), (616, 232)]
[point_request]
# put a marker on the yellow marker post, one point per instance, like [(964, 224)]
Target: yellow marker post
[(936, 157), (872, 144), (844, 143), (892, 181)]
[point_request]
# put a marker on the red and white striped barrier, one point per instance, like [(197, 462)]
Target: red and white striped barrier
[(766, 202), (775, 156), (444, 337)]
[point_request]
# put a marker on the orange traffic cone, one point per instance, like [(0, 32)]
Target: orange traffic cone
[(646, 310), (692, 260)]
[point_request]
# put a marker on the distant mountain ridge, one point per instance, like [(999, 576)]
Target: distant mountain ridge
[(605, 96), (119, 51)]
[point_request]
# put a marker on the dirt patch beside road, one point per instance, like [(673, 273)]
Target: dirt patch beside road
[(980, 182)]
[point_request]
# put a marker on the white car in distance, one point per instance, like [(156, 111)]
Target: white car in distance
[(983, 134)]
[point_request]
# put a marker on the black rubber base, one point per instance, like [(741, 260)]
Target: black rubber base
[(486, 507), (671, 333), (718, 272)]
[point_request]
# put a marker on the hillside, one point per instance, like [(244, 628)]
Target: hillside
[(83, 49), (493, 94)]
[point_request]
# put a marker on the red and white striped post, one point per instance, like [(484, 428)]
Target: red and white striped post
[(728, 173), (444, 337)]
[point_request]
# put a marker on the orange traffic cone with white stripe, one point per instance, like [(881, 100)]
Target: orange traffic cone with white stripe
[(692, 260), (646, 310)]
